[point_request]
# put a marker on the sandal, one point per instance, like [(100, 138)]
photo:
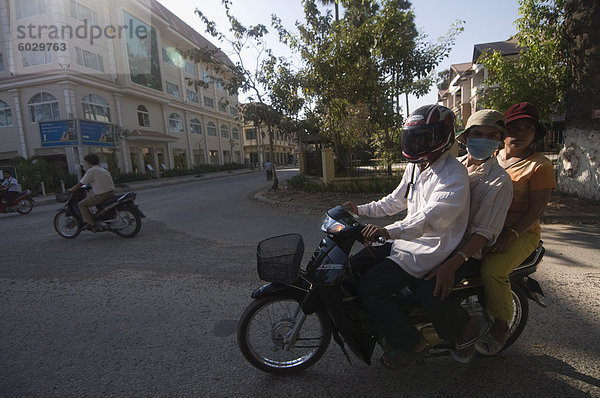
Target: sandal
[(464, 347), (488, 345)]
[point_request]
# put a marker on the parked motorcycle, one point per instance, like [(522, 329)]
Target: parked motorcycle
[(22, 204), (289, 325), (118, 214)]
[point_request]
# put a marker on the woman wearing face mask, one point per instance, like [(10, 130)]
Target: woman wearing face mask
[(533, 181), (491, 195)]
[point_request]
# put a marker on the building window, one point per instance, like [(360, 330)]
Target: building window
[(192, 96), (43, 106), (222, 107), (30, 8), (190, 68), (171, 56), (233, 111), (251, 134), (143, 116), (95, 108), (89, 59), (83, 13), (235, 134), (1, 62), (142, 53), (5, 114), (205, 76), (173, 89), (224, 131), (211, 129), (33, 58), (175, 123), (208, 102), (195, 126)]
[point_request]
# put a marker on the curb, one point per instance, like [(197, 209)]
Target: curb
[(154, 183)]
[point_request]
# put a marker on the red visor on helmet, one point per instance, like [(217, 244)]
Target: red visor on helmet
[(427, 133)]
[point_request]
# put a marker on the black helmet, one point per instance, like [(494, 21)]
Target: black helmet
[(427, 133)]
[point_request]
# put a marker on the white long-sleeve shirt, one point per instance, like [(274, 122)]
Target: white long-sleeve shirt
[(491, 196), (437, 214)]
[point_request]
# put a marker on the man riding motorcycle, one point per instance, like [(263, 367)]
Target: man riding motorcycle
[(103, 188), (10, 188), (435, 192)]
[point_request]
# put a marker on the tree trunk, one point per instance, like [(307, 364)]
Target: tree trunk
[(275, 186), (579, 162)]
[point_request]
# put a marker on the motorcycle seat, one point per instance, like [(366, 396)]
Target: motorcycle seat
[(107, 202)]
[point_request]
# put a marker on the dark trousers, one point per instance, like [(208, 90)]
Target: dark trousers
[(382, 279)]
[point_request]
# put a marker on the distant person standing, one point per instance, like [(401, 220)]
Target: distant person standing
[(269, 170)]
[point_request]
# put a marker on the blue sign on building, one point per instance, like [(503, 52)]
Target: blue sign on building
[(59, 133), (97, 133)]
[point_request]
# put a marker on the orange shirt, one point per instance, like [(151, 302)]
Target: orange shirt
[(533, 173)]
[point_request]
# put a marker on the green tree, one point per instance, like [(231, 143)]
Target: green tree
[(538, 75)]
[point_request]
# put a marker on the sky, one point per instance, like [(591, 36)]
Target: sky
[(485, 21)]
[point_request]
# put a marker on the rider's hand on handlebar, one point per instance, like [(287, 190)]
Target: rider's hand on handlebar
[(371, 232)]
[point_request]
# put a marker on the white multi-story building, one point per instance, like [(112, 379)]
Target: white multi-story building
[(466, 81), (107, 76)]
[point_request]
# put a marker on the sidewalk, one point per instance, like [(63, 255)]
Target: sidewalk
[(159, 182)]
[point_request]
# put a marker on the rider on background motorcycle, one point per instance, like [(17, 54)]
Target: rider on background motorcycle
[(435, 192), (10, 187), (102, 184)]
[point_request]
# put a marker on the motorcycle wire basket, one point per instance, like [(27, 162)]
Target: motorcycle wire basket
[(278, 259)]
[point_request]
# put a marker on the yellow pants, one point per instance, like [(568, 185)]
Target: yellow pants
[(494, 272)]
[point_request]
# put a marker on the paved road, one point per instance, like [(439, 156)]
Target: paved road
[(156, 315)]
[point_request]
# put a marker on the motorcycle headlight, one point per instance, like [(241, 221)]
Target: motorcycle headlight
[(331, 226)]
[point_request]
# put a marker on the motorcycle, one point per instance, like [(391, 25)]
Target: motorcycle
[(118, 214), (23, 204), (289, 324)]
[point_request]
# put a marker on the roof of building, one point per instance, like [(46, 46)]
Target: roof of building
[(187, 31), (507, 47)]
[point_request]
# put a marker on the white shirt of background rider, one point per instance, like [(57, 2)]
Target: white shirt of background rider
[(437, 216), (12, 183), (99, 179)]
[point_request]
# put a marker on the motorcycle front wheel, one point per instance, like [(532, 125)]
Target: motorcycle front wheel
[(66, 224), (25, 206), (266, 324), (130, 223)]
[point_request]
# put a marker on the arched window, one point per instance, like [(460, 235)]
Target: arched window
[(43, 106), (175, 123), (195, 126), (5, 114), (143, 116), (95, 108), (211, 129), (235, 133), (224, 131)]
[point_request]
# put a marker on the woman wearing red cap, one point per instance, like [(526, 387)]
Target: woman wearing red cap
[(533, 181)]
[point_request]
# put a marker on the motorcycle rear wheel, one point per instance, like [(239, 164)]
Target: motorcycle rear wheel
[(520, 314), (25, 206), (66, 225), (263, 327), (131, 223)]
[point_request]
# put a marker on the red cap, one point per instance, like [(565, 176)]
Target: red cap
[(523, 110)]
